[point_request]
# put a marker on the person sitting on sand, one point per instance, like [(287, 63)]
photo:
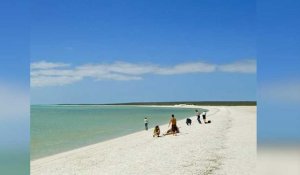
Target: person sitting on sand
[(169, 132), (188, 121), (156, 131), (173, 124)]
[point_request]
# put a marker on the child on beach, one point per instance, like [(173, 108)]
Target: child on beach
[(156, 131), (146, 123)]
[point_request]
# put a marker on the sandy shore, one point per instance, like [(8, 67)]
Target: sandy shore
[(226, 146), (278, 159)]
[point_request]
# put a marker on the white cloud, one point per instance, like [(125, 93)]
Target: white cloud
[(118, 67), (58, 74), (187, 68), (40, 81), (118, 77), (244, 66), (47, 65)]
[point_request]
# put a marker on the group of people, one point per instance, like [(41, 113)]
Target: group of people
[(174, 128), (198, 114)]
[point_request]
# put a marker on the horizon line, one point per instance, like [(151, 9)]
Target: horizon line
[(245, 102)]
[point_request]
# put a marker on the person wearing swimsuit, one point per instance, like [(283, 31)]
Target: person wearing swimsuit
[(173, 124)]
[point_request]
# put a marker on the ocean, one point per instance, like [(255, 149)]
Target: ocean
[(58, 128)]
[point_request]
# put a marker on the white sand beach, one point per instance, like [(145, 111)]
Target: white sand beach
[(226, 146), (278, 159)]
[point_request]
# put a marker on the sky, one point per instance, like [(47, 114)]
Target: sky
[(278, 71), (14, 74), (14, 52), (130, 51)]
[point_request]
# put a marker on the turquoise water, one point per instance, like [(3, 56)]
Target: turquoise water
[(58, 128), (14, 161)]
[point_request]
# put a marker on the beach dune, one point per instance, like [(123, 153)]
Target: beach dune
[(226, 146)]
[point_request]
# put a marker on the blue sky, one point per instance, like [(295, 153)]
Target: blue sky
[(15, 43), (278, 71), (14, 75), (179, 50)]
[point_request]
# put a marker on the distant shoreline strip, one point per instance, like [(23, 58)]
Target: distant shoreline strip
[(198, 103)]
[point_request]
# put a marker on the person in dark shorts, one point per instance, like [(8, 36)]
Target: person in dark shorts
[(198, 116), (173, 124), (188, 121), (204, 116)]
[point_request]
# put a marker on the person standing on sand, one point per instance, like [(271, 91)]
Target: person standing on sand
[(146, 123), (204, 116), (173, 124), (198, 116)]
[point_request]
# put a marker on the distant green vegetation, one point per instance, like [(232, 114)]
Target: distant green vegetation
[(200, 103), (203, 103)]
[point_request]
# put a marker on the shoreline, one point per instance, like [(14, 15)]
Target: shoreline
[(63, 161), (39, 154), (170, 103), (155, 106), (149, 129)]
